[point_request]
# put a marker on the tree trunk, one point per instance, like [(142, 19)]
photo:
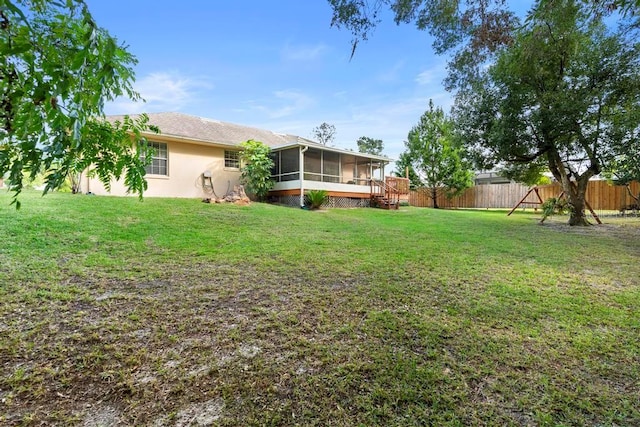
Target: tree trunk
[(576, 192), (577, 205), (635, 199), (434, 197)]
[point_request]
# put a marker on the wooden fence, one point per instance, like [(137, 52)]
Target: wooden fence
[(601, 196)]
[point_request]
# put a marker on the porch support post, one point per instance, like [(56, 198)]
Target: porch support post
[(302, 150)]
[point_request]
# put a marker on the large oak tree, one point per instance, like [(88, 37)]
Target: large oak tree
[(563, 96), (557, 92)]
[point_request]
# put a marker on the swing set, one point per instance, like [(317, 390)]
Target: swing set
[(536, 190)]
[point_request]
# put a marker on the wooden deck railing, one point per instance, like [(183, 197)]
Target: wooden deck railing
[(388, 192)]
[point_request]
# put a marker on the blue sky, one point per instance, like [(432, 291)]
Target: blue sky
[(276, 65)]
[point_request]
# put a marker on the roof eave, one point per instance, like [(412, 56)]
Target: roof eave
[(186, 139), (333, 149)]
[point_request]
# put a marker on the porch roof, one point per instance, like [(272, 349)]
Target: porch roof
[(311, 144)]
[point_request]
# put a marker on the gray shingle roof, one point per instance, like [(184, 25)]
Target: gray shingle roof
[(214, 131)]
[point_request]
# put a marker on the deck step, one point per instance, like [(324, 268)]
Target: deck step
[(381, 202)]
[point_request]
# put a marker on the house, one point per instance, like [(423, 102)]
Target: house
[(490, 177), (200, 158)]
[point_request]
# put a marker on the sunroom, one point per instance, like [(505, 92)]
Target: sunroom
[(345, 175)]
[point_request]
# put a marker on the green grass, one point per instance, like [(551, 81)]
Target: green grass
[(175, 312)]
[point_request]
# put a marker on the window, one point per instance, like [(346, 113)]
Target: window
[(159, 159), (231, 159)]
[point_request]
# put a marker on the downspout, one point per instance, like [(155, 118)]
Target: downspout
[(302, 151)]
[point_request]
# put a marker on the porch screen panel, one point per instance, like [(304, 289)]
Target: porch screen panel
[(348, 169), (377, 170), (289, 164), (331, 167), (363, 172), (312, 165), (275, 170)]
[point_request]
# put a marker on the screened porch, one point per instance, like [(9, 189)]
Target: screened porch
[(325, 169)]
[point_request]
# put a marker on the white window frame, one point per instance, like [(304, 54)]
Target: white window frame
[(160, 152), (232, 160)]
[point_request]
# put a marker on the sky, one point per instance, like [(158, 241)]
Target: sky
[(276, 65)]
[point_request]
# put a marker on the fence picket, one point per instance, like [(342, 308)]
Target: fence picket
[(601, 195)]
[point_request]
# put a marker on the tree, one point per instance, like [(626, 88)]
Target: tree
[(436, 157), (256, 168), (325, 133), (547, 102), (404, 164), (112, 150), (625, 168), (56, 70), (370, 145), (472, 30), (563, 96)]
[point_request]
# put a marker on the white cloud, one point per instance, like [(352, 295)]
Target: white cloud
[(425, 77), (162, 91), (284, 103), (304, 52), (433, 75), (391, 74), (387, 118)]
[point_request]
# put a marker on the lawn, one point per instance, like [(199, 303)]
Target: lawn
[(176, 312)]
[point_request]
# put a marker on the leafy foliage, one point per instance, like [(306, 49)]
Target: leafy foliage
[(370, 145), (435, 155), (56, 70), (256, 168), (316, 198), (325, 133), (564, 96), (476, 28), (112, 150), (554, 206), (403, 164), (471, 31), (624, 168)]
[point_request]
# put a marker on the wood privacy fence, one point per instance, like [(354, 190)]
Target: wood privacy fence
[(601, 196)]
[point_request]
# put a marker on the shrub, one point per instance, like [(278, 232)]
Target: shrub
[(553, 206), (315, 198), (256, 169)]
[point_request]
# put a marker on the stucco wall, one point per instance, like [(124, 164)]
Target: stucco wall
[(186, 163)]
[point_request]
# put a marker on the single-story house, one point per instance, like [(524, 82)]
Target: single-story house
[(199, 158), (490, 177)]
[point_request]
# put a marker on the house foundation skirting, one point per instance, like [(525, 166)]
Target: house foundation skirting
[(333, 201)]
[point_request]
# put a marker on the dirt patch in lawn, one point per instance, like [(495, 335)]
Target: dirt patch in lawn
[(622, 228), (201, 344)]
